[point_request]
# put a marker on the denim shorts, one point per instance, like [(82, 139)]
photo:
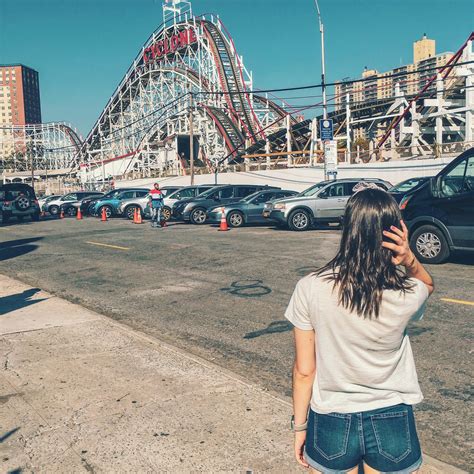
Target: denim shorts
[(385, 439)]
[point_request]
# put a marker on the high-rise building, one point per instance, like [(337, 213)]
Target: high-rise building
[(19, 95), (423, 49), (19, 105), (410, 78)]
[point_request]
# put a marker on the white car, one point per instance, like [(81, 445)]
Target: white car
[(43, 200), (53, 206)]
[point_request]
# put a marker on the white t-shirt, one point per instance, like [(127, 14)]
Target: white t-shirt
[(361, 364)]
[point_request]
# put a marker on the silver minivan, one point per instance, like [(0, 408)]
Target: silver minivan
[(322, 203)]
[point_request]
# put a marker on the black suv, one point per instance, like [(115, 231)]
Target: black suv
[(195, 210), (440, 214), (18, 200)]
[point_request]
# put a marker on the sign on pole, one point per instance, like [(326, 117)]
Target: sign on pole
[(326, 131), (330, 159)]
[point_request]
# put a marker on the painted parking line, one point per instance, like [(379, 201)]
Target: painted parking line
[(108, 245), (451, 300)]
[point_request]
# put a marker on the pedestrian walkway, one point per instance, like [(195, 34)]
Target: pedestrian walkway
[(82, 393)]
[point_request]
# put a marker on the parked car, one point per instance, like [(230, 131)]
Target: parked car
[(110, 203), (248, 210), (194, 210), (70, 207), (53, 206), (322, 203), (18, 200), (45, 199), (128, 206), (400, 189), (440, 213)]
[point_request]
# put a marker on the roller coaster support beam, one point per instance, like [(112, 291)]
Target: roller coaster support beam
[(288, 141), (191, 139), (314, 142)]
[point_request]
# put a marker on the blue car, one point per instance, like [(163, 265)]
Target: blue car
[(111, 202), (248, 210)]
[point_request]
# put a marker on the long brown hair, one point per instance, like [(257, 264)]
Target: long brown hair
[(362, 268)]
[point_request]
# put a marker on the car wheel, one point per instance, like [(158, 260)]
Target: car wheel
[(53, 210), (108, 211), (130, 212), (90, 209), (299, 220), (235, 219), (166, 213), (71, 211), (198, 216), (429, 245)]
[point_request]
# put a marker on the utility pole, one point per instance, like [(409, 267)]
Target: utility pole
[(323, 62), (191, 138)]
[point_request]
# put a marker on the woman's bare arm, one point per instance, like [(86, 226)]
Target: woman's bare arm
[(304, 371)]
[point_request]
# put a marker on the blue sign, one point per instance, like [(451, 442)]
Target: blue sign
[(326, 131)]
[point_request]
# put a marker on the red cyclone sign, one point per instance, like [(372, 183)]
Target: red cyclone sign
[(168, 45)]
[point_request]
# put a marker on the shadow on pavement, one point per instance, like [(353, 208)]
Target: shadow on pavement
[(274, 327), (8, 434), (18, 247), (18, 300)]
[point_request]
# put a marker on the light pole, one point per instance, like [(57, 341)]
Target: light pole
[(323, 65)]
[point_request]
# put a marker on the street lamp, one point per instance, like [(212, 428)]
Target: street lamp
[(323, 66)]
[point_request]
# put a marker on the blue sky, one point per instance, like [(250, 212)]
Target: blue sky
[(82, 48)]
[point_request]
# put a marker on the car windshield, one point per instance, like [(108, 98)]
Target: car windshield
[(312, 190), (208, 193), (251, 196), (407, 185)]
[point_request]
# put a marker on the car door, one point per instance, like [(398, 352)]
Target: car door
[(226, 195), (331, 201), (255, 207), (455, 204)]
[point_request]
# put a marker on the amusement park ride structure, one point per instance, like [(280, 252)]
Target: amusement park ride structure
[(189, 72)]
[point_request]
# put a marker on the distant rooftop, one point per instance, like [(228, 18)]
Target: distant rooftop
[(18, 64)]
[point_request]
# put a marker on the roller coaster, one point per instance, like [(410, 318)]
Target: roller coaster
[(187, 72)]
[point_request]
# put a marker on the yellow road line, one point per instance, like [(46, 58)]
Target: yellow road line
[(450, 300), (108, 245)]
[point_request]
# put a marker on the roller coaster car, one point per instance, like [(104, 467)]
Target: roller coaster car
[(18, 200)]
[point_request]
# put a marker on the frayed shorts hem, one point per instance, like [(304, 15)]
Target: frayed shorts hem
[(325, 470)]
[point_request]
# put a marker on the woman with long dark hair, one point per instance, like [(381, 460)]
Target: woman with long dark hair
[(354, 377)]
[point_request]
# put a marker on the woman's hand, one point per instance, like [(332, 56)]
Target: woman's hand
[(402, 255), (300, 438)]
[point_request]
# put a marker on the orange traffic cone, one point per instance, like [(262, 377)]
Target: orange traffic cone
[(79, 214), (43, 214), (103, 217), (61, 214), (139, 216), (134, 216), (163, 223), (223, 225)]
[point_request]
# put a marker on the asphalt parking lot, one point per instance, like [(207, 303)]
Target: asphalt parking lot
[(222, 295)]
